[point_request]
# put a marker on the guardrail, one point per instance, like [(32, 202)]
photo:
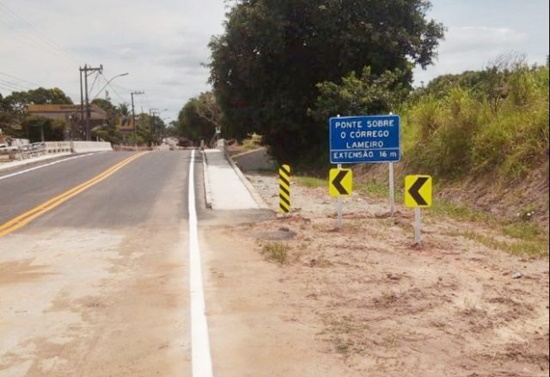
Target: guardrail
[(52, 147)]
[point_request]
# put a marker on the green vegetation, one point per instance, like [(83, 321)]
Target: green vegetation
[(374, 188), (16, 122), (252, 142), (455, 211), (536, 247), (279, 58), (275, 251), (199, 118), (311, 181), (454, 130)]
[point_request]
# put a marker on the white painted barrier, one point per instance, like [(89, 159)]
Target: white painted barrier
[(58, 146), (91, 146), (77, 146)]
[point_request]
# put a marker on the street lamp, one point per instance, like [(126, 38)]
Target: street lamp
[(134, 117), (108, 82)]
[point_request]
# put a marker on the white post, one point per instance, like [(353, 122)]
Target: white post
[(417, 225), (340, 205), (392, 191)]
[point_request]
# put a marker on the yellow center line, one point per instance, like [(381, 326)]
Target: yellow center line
[(25, 218)]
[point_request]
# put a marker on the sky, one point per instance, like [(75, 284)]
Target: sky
[(163, 45)]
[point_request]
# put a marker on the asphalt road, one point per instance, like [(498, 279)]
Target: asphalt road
[(98, 284), (102, 262), (123, 199)]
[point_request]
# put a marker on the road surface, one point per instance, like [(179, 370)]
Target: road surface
[(94, 266)]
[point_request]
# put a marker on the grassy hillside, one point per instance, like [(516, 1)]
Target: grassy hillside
[(484, 137)]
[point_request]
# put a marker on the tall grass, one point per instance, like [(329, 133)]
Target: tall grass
[(462, 133)]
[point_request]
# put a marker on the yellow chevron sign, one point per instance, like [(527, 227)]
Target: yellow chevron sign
[(418, 191), (340, 182)]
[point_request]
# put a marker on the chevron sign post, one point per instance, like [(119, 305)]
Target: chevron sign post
[(418, 193), (339, 184)]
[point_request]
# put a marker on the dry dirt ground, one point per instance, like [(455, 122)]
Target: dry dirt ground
[(384, 306)]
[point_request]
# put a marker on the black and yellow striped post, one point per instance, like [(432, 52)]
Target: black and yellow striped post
[(284, 189)]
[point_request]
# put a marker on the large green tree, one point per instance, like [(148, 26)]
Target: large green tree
[(14, 109), (40, 96), (108, 131), (199, 118), (266, 66)]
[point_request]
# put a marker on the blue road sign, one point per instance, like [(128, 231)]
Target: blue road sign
[(357, 139)]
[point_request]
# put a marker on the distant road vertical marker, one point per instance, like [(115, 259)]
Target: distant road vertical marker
[(284, 189)]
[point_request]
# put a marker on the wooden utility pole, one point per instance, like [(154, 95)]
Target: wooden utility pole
[(87, 69)]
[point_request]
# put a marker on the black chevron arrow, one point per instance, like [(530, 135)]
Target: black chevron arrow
[(337, 182), (413, 191)]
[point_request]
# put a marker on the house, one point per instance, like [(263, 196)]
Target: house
[(74, 116)]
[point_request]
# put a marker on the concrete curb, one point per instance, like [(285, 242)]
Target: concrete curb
[(257, 197), (207, 192)]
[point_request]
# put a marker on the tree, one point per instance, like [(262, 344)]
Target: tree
[(108, 131), (14, 107), (8, 119), (366, 94), (38, 128), (124, 109), (199, 118), (20, 100), (266, 66)]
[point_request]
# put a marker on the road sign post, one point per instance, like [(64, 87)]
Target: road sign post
[(418, 194), (339, 184), (366, 139)]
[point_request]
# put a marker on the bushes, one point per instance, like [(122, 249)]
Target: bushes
[(460, 133)]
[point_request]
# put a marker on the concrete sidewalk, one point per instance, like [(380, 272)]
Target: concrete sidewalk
[(226, 187)]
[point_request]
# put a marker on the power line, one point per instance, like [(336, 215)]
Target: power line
[(118, 95), (36, 37), (13, 85), (19, 79)]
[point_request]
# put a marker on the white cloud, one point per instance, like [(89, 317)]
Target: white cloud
[(478, 32), (162, 44)]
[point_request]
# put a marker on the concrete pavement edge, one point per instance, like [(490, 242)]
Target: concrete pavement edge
[(207, 192), (257, 197)]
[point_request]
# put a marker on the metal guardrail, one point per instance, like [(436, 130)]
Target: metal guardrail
[(24, 151)]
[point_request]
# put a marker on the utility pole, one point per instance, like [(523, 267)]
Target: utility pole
[(155, 115), (152, 114), (87, 69), (134, 117), (81, 102)]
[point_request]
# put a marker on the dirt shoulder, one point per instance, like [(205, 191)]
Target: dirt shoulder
[(381, 306)]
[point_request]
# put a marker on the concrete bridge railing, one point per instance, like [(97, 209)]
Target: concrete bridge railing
[(77, 146)]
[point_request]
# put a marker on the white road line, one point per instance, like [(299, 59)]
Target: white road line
[(200, 345), (42, 166)]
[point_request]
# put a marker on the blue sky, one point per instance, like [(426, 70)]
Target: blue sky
[(162, 44)]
